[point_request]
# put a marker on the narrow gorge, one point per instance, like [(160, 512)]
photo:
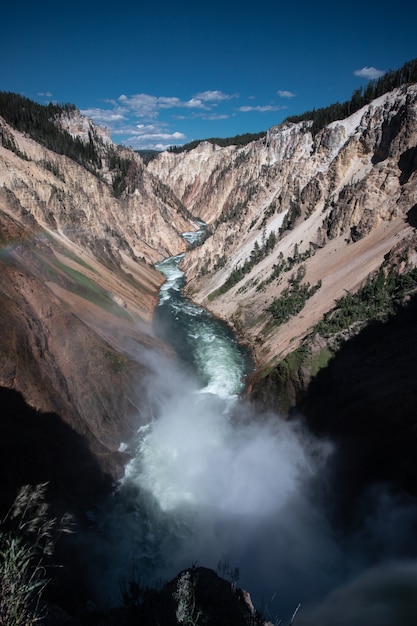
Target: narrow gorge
[(239, 398)]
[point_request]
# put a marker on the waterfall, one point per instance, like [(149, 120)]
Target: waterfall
[(212, 482)]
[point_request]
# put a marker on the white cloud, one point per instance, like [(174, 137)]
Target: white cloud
[(145, 126), (150, 136), (215, 117), (283, 93), (214, 96), (45, 94), (141, 105), (154, 141), (369, 72), (211, 115), (158, 136), (138, 119), (195, 103), (164, 102), (261, 109), (158, 146), (147, 106), (103, 116)]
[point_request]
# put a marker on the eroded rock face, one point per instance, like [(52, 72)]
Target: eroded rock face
[(78, 287), (337, 203), (77, 261), (64, 197), (60, 351)]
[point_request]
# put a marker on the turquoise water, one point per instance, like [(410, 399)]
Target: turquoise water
[(209, 480), (205, 345), (212, 482)]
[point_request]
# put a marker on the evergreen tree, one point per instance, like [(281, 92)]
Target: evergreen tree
[(322, 117)]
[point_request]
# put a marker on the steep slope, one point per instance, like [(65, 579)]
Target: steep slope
[(290, 217), (295, 221), (78, 288), (334, 205), (80, 204)]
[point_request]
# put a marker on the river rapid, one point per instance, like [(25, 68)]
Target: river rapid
[(210, 482), (204, 345), (213, 483)]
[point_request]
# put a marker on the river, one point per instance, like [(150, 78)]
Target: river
[(205, 346), (210, 481), (214, 483)]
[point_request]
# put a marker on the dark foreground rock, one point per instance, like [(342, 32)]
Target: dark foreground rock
[(195, 596)]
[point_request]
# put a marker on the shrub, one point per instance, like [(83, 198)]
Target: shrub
[(293, 298)]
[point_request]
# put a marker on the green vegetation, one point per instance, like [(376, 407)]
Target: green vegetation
[(147, 155), (270, 211), (52, 167), (83, 286), (227, 571), (383, 295), (322, 117), (39, 122), (380, 297), (28, 536), (118, 361), (285, 265), (233, 210), (290, 218), (319, 360), (276, 380), (293, 298), (258, 253), (125, 173), (8, 142), (71, 255)]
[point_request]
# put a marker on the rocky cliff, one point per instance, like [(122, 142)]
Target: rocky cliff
[(290, 217), (335, 204), (78, 289), (295, 222), (311, 243)]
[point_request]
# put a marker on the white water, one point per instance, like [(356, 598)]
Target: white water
[(205, 345), (207, 484), (210, 480)]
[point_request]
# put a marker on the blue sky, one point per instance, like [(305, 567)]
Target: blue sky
[(164, 73)]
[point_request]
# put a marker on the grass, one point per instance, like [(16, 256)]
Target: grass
[(381, 296), (28, 535)]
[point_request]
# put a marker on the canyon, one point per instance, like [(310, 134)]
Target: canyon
[(79, 288), (346, 187)]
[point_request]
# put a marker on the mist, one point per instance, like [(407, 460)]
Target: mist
[(213, 483), (381, 596)]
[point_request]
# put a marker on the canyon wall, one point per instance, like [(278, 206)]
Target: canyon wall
[(78, 289), (336, 203), (292, 209)]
